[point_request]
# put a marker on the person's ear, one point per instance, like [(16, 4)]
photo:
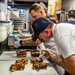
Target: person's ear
[(41, 12), (47, 31)]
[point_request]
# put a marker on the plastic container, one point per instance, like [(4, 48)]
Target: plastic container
[(10, 27), (3, 30), (8, 15), (2, 15), (2, 6)]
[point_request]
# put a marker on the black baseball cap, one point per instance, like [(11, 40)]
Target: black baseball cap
[(39, 25)]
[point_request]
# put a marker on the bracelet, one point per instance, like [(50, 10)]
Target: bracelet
[(21, 42)]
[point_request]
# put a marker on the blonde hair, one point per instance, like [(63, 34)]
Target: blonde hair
[(35, 7)]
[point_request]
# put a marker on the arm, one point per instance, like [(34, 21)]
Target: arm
[(25, 42), (67, 49), (30, 42), (68, 64)]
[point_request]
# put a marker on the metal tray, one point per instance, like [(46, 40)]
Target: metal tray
[(8, 57), (11, 55), (5, 65)]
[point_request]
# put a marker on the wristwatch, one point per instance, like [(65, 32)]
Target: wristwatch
[(21, 42)]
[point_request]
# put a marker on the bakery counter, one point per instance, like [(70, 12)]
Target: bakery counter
[(8, 57)]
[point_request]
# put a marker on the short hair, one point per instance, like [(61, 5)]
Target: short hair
[(71, 13), (35, 7), (43, 5), (50, 25)]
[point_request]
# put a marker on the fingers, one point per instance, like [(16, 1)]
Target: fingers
[(52, 55), (45, 53)]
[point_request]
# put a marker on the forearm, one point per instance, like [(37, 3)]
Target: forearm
[(67, 65), (30, 42)]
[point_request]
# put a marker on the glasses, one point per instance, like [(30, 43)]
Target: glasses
[(41, 39)]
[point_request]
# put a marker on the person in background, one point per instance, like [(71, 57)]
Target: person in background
[(71, 17), (64, 36), (37, 11)]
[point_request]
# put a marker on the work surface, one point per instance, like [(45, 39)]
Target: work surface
[(8, 57)]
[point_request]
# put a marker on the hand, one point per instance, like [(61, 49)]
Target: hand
[(16, 44), (45, 53), (52, 55)]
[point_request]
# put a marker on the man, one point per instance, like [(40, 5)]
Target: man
[(37, 11), (64, 37), (71, 17)]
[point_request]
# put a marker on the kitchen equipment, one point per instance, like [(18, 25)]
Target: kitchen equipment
[(3, 30), (21, 24), (26, 26), (21, 32), (14, 14), (18, 23)]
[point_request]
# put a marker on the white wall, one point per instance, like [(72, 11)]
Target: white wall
[(69, 4)]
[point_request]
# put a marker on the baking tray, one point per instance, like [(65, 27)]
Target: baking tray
[(8, 57), (5, 65), (11, 55)]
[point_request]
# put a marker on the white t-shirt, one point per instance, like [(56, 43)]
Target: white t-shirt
[(51, 45), (64, 37)]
